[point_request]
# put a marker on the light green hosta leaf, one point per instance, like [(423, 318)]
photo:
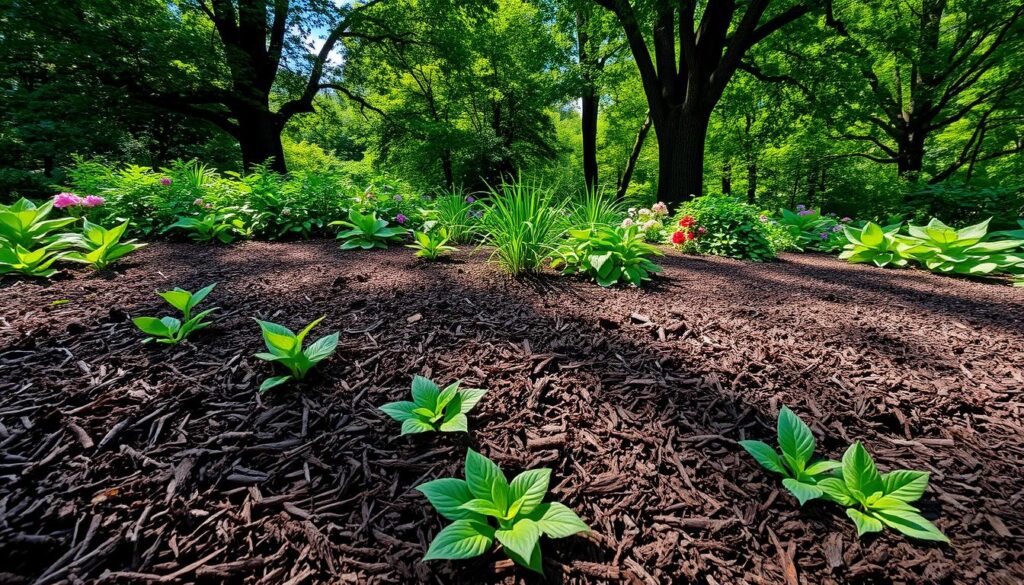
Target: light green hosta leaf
[(412, 426), (457, 423), (859, 472), (863, 522), (179, 299), (819, 467), (529, 486), (533, 563), (803, 491), (872, 235), (462, 539), (910, 522), (482, 474), (200, 295), (483, 506), (765, 455), (272, 382), (424, 412), (400, 411), (557, 520), (322, 348), (521, 538), (905, 485), (425, 392), (833, 489), (151, 326), (795, 440), (446, 396), (447, 495)]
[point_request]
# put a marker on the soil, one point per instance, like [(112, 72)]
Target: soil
[(128, 463)]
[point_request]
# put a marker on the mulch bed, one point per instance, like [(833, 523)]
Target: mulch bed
[(126, 463)]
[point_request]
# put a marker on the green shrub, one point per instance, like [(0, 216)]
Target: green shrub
[(875, 244), (734, 228), (609, 255), (458, 213), (366, 231), (811, 230), (941, 248), (222, 225), (433, 409), (100, 247), (523, 224)]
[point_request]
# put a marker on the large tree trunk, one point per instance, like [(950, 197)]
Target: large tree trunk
[(751, 181), (681, 138), (910, 156), (259, 135), (727, 178), (589, 105), (627, 175), (446, 168)]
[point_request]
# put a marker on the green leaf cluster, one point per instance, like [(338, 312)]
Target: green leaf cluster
[(285, 348), (172, 330), (524, 225), (734, 228), (872, 499), (609, 255), (366, 231), (100, 247), (433, 409), (222, 225), (807, 228), (29, 244), (431, 243), (486, 507), (875, 244), (968, 250)]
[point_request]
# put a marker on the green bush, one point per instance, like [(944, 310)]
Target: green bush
[(733, 228), (524, 225), (608, 255)]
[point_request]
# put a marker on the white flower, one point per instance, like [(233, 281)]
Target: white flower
[(650, 225), (628, 222), (659, 208)]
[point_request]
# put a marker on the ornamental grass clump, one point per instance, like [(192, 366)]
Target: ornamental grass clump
[(486, 507), (524, 225), (433, 409)]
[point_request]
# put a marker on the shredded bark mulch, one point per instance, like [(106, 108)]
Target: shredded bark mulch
[(128, 463)]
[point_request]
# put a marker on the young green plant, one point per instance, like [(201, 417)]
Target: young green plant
[(609, 255), (797, 444), (24, 224), (431, 243), (171, 330), (433, 409), (285, 348), (100, 246), (486, 507), (366, 231), (875, 244), (38, 262)]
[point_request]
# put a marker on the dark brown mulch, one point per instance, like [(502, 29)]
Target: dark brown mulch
[(125, 463)]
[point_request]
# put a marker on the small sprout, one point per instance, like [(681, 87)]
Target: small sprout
[(101, 246), (171, 330), (285, 348), (431, 244), (433, 409), (485, 507), (366, 231)]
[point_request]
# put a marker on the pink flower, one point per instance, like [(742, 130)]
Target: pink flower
[(659, 208), (198, 202), (400, 219), (63, 200), (93, 201), (166, 181), (628, 222), (702, 230)]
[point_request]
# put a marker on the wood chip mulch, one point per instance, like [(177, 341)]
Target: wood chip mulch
[(126, 463)]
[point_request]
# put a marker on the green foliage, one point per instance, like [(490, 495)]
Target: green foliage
[(486, 506), (810, 230), (37, 262), (594, 208), (458, 213), (221, 225), (366, 231), (523, 224), (734, 228), (433, 409), (285, 348), (171, 330), (874, 499), (100, 247), (432, 243), (872, 243), (943, 249), (609, 255), (797, 444), (24, 224)]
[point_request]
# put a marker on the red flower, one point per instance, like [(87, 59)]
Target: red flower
[(691, 236), (686, 221), (678, 238)]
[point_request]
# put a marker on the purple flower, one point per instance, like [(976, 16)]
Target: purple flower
[(166, 181), (805, 212), (801, 207), (837, 228), (63, 200), (823, 235), (93, 201), (846, 219), (400, 219), (470, 199), (398, 197)]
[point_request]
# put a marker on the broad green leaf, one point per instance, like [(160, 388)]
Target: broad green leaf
[(457, 423), (172, 324), (400, 411), (272, 382), (302, 334), (859, 472), (803, 491), (833, 489), (521, 538), (765, 455), (411, 426), (322, 348), (425, 392), (910, 522), (530, 486), (872, 235), (447, 495), (481, 474), (557, 520), (863, 522), (795, 439), (819, 467), (462, 539), (533, 563), (446, 396), (151, 326), (483, 506), (179, 299), (470, 398), (200, 295), (905, 485)]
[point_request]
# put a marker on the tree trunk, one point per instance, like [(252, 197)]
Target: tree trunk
[(681, 138), (259, 135), (446, 168), (627, 175), (910, 157), (727, 179), (589, 105), (751, 182)]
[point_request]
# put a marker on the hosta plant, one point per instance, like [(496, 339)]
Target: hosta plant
[(38, 262), (609, 255), (801, 477), (285, 348), (941, 248), (875, 244), (366, 231), (431, 244), (433, 409), (486, 507), (874, 500), (222, 225), (806, 227), (171, 330), (24, 224), (100, 247)]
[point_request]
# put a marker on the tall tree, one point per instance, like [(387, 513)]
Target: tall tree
[(697, 49)]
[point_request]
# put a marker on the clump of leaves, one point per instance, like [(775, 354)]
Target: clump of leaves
[(172, 330), (941, 248), (457, 212), (797, 444), (524, 224), (874, 244), (609, 255), (38, 262), (431, 243), (433, 409), (874, 500), (285, 347), (366, 231), (24, 224), (222, 225), (485, 507), (100, 246)]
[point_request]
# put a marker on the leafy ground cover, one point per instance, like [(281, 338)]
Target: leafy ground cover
[(128, 461)]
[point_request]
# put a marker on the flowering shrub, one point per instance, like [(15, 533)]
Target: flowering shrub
[(813, 231), (685, 237), (732, 228), (649, 221)]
